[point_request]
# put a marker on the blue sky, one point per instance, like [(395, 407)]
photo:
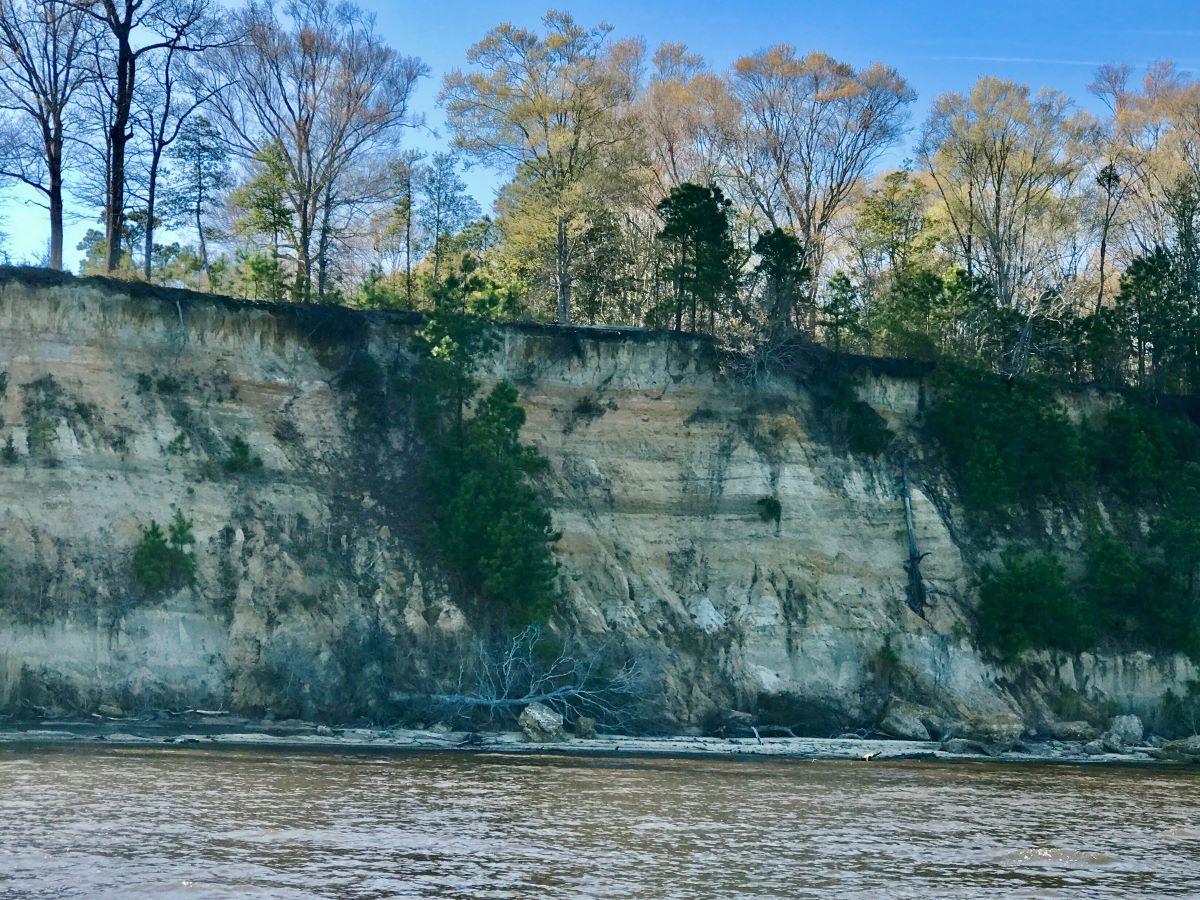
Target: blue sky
[(938, 46)]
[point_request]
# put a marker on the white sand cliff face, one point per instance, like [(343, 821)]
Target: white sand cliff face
[(313, 597)]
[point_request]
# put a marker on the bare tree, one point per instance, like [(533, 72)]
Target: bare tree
[(1008, 167), (133, 30), (500, 679), (43, 64), (444, 207), (162, 107), (343, 232), (94, 132), (809, 131), (1143, 150), (324, 88), (685, 111), (396, 234)]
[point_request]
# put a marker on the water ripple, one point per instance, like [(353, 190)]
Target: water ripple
[(201, 824)]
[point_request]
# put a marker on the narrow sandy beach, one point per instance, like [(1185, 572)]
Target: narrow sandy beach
[(306, 736)]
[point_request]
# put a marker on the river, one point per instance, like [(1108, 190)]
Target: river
[(179, 823)]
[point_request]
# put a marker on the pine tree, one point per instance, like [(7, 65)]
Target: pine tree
[(782, 267), (703, 270), (840, 310), (197, 181)]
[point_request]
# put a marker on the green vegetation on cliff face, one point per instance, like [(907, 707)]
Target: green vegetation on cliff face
[(1007, 445), (1025, 604), (1130, 470), (490, 524), (164, 561)]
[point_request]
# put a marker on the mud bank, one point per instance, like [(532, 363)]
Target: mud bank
[(271, 737)]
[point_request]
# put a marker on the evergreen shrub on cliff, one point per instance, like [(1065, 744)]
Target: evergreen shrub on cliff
[(241, 460), (1126, 595), (1140, 451), (1026, 604), (164, 561), (489, 523), (1006, 444), (1011, 445)]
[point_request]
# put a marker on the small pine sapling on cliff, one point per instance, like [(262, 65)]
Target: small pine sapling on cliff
[(241, 460), (769, 509), (164, 561)]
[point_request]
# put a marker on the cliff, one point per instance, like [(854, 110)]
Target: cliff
[(314, 597)]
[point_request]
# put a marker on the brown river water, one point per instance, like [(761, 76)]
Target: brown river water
[(191, 824)]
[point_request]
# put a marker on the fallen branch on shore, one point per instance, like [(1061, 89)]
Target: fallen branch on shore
[(197, 712), (42, 712), (503, 680)]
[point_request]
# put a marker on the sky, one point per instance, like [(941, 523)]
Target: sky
[(937, 46)]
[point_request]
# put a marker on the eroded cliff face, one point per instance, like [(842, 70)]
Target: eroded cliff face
[(313, 596)]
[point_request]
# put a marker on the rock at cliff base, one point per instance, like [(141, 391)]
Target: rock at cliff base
[(903, 721), (1072, 731), (998, 729), (1186, 750), (734, 720), (110, 712), (1111, 744), (541, 724), (962, 747), (1123, 731), (1094, 748), (585, 728), (941, 728)]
